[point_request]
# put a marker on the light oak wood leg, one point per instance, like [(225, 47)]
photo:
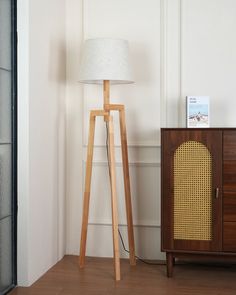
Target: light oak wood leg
[(87, 190), (114, 199), (125, 161)]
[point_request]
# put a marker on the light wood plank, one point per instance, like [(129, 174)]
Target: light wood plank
[(128, 202), (87, 190), (114, 199), (114, 107), (106, 91), (99, 113)]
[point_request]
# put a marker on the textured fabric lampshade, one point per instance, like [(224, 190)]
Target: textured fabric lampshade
[(105, 59)]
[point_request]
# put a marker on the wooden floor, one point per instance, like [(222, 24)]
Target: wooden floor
[(98, 278)]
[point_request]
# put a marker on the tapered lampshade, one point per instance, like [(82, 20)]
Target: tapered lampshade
[(105, 59)]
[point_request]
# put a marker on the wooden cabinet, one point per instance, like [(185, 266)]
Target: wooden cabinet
[(198, 171)]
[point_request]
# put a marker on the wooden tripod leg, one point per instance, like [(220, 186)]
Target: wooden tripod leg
[(127, 185), (87, 190), (114, 199)]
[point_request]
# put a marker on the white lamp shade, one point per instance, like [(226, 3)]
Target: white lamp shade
[(105, 59)]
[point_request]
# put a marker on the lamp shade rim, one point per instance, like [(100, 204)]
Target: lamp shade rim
[(101, 81)]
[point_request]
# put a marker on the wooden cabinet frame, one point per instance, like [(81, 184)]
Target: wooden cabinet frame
[(221, 144)]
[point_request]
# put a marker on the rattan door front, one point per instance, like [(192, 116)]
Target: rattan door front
[(191, 190)]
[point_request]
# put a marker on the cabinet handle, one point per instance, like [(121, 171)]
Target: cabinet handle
[(217, 193)]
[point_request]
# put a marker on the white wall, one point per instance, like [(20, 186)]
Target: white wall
[(178, 48), (41, 137), (208, 63), (74, 127)]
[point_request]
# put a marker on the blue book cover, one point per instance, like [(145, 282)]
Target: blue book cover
[(198, 111)]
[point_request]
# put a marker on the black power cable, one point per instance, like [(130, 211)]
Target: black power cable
[(121, 238)]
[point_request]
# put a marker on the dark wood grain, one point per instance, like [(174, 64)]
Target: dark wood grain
[(170, 264), (229, 185), (229, 205), (229, 160), (229, 172), (166, 195), (193, 245), (229, 145), (229, 236)]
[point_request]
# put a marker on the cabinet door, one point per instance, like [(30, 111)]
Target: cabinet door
[(191, 190)]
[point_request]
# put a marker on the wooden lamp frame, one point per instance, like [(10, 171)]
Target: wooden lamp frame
[(105, 112)]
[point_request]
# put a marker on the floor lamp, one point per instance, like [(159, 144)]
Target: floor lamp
[(106, 61)]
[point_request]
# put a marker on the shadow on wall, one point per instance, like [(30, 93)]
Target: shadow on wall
[(142, 69), (57, 62)]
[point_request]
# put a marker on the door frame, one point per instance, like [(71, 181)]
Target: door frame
[(14, 138)]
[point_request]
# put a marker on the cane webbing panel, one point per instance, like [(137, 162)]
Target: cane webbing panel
[(192, 192)]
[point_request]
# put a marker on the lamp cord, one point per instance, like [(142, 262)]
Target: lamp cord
[(121, 238)]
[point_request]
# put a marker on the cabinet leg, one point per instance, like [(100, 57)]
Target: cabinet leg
[(169, 264)]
